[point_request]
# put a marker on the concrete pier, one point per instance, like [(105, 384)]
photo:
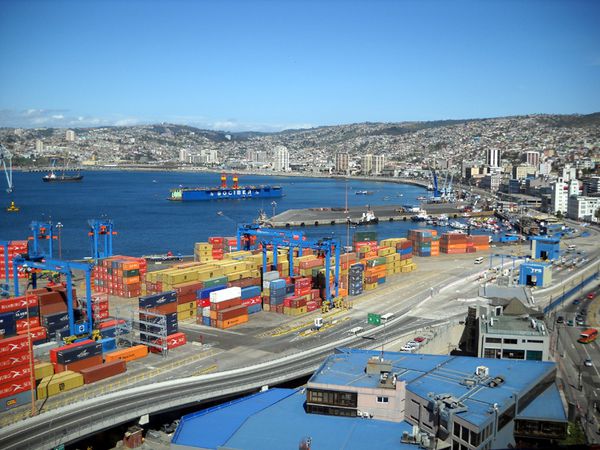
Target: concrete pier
[(338, 216)]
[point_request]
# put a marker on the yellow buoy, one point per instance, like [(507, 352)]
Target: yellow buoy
[(12, 208)]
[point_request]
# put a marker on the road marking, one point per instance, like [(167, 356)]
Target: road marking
[(595, 394)]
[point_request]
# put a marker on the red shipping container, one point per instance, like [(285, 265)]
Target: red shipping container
[(103, 371), (169, 308), (37, 334), (186, 298), (78, 365), (99, 307), (15, 303), (252, 301), (15, 387), (54, 351), (173, 341), (34, 322), (109, 324), (226, 304), (14, 345), (230, 313), (14, 360), (15, 373)]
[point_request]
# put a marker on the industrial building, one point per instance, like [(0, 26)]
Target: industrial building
[(361, 399), (535, 274)]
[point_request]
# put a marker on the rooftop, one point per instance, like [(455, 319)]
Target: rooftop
[(547, 406), (276, 419), (512, 325)]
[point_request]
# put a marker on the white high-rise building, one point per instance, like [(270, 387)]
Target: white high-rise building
[(70, 135), (492, 157), (281, 162), (184, 155), (39, 145), (378, 164), (562, 190), (367, 164), (342, 161), (532, 158), (583, 208), (569, 173)]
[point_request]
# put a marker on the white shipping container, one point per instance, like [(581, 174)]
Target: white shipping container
[(206, 311), (225, 294), (269, 276)]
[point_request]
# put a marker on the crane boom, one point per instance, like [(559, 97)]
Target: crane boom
[(6, 156)]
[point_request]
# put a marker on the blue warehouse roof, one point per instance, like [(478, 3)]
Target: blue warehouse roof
[(547, 406), (276, 419)]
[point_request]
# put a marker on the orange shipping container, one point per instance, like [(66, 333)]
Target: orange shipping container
[(127, 354), (232, 322)]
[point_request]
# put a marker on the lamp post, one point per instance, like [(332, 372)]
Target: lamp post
[(59, 228), (273, 204)]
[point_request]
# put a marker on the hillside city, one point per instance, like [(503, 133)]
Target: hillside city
[(549, 162)]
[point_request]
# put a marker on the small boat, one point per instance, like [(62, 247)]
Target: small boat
[(12, 208), (367, 218), (160, 258), (363, 192), (421, 197)]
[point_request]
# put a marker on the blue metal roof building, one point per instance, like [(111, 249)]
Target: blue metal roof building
[(478, 403)]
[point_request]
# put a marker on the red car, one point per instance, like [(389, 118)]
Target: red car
[(419, 339), (591, 295)]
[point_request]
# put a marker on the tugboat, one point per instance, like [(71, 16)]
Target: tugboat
[(367, 218)]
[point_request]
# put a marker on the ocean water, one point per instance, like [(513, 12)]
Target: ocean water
[(147, 223)]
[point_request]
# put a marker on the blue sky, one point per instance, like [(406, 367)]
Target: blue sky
[(269, 65)]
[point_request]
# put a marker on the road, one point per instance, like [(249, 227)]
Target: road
[(428, 300)]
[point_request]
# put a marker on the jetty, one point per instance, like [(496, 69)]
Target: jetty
[(385, 213)]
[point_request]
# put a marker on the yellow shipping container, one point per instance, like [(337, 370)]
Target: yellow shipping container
[(186, 315), (370, 286), (203, 246), (43, 369), (385, 251), (234, 276), (295, 311), (65, 383), (186, 306)]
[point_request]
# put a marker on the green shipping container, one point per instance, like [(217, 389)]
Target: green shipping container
[(219, 281), (131, 273), (361, 236)]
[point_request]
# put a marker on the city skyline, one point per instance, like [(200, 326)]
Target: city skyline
[(266, 66)]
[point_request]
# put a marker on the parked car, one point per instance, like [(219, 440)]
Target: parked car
[(412, 344), (577, 301), (560, 319), (588, 362), (591, 295), (569, 323), (580, 323), (420, 339)]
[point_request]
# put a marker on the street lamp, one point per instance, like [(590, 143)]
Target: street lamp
[(59, 227), (273, 204)]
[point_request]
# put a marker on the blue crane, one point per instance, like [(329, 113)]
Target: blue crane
[(292, 240), (101, 230), (65, 268)]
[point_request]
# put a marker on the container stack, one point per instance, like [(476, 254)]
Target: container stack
[(424, 242), (164, 304), (479, 242), (203, 252), (187, 300), (453, 243), (15, 248), (375, 272), (18, 314), (356, 279), (55, 384), (15, 371), (120, 276), (226, 309), (230, 244), (405, 249), (277, 292), (74, 357), (100, 310), (251, 299), (217, 247)]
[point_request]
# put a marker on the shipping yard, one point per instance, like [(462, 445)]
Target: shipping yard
[(243, 299)]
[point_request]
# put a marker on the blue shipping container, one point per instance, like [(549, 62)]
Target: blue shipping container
[(108, 344), (151, 301), (254, 308), (250, 291)]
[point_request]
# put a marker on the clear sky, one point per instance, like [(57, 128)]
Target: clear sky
[(269, 65)]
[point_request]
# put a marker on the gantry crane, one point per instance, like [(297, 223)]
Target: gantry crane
[(101, 229), (292, 240)]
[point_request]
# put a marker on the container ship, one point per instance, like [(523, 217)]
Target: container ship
[(186, 194)]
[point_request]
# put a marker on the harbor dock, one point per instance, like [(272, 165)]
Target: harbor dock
[(338, 216)]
